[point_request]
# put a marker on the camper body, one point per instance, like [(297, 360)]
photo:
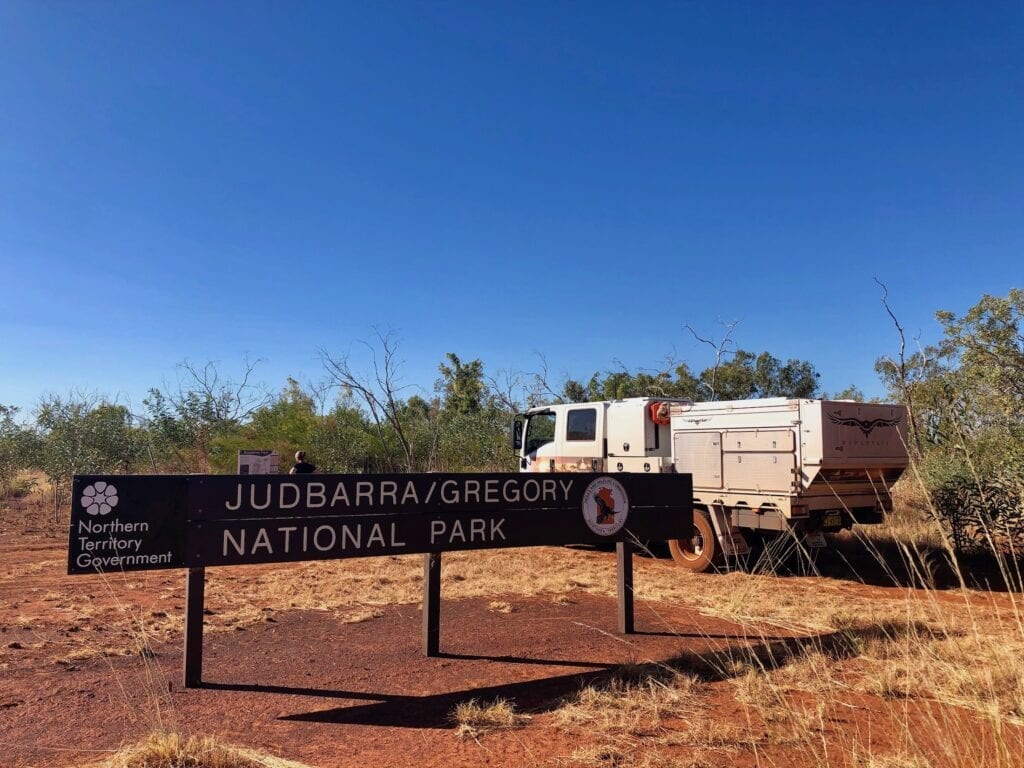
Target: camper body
[(759, 467)]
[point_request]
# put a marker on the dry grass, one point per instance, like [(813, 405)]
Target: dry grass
[(360, 615), (892, 761), (340, 587), (959, 655), (909, 523), (814, 671), (977, 671), (611, 755), (601, 755), (963, 666), (632, 707), (173, 750), (476, 719), (638, 715), (651, 718)]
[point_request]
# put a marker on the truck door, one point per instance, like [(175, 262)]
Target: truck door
[(540, 448), (584, 445)]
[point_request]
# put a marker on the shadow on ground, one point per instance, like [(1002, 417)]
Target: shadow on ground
[(886, 563), (550, 693)]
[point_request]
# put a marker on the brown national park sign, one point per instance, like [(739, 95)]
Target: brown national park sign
[(140, 522)]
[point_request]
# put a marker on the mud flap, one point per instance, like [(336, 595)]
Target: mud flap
[(730, 538)]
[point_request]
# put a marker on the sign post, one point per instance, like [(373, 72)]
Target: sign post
[(195, 589), (432, 604), (624, 585), (132, 523)]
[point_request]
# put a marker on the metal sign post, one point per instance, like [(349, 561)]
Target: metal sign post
[(432, 604), (195, 608), (624, 582)]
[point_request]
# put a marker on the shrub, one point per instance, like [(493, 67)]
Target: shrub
[(982, 513)]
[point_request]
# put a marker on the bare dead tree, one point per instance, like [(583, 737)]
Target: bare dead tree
[(434, 451), (901, 369), (319, 392), (541, 389), (507, 389), (378, 389), (208, 402), (722, 348), (229, 400)]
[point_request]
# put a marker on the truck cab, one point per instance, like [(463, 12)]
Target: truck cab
[(630, 435)]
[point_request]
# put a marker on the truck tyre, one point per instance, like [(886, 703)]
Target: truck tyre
[(939, 570), (701, 552)]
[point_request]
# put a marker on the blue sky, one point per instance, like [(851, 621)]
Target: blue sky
[(578, 180)]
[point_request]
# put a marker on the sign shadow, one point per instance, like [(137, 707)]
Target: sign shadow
[(540, 695)]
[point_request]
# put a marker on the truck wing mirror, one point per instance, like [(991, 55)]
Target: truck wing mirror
[(517, 433)]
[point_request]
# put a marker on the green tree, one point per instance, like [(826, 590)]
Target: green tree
[(852, 392), (475, 441), (79, 435), (191, 427), (797, 378), (746, 375), (988, 344), (966, 400), (615, 385), (461, 384), (379, 393), (17, 448), (965, 393), (284, 424), (575, 392), (734, 379), (470, 429), (344, 440)]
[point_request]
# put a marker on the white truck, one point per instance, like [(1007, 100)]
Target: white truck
[(760, 468)]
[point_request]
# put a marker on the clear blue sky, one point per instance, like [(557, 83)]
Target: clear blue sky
[(201, 180)]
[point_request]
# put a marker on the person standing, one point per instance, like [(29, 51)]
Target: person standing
[(302, 467)]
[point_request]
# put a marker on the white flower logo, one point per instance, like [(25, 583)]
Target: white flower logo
[(99, 498)]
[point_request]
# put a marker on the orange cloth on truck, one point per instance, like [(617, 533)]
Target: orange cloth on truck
[(660, 413)]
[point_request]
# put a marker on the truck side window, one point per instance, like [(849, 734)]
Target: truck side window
[(582, 424), (540, 430)]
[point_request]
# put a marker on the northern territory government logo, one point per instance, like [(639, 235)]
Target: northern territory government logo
[(100, 498), (605, 506)]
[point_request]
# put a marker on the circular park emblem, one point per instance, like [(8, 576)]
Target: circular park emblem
[(99, 498), (605, 506)]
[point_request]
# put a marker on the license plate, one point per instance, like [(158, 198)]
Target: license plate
[(833, 520)]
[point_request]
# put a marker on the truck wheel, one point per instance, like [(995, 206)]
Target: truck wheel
[(701, 551), (939, 570)]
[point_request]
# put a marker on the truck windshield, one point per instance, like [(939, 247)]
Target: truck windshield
[(540, 430)]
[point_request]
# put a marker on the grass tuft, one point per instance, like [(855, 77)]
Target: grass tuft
[(173, 750), (476, 719), (631, 705)]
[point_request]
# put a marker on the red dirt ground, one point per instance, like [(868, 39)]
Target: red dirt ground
[(305, 687)]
